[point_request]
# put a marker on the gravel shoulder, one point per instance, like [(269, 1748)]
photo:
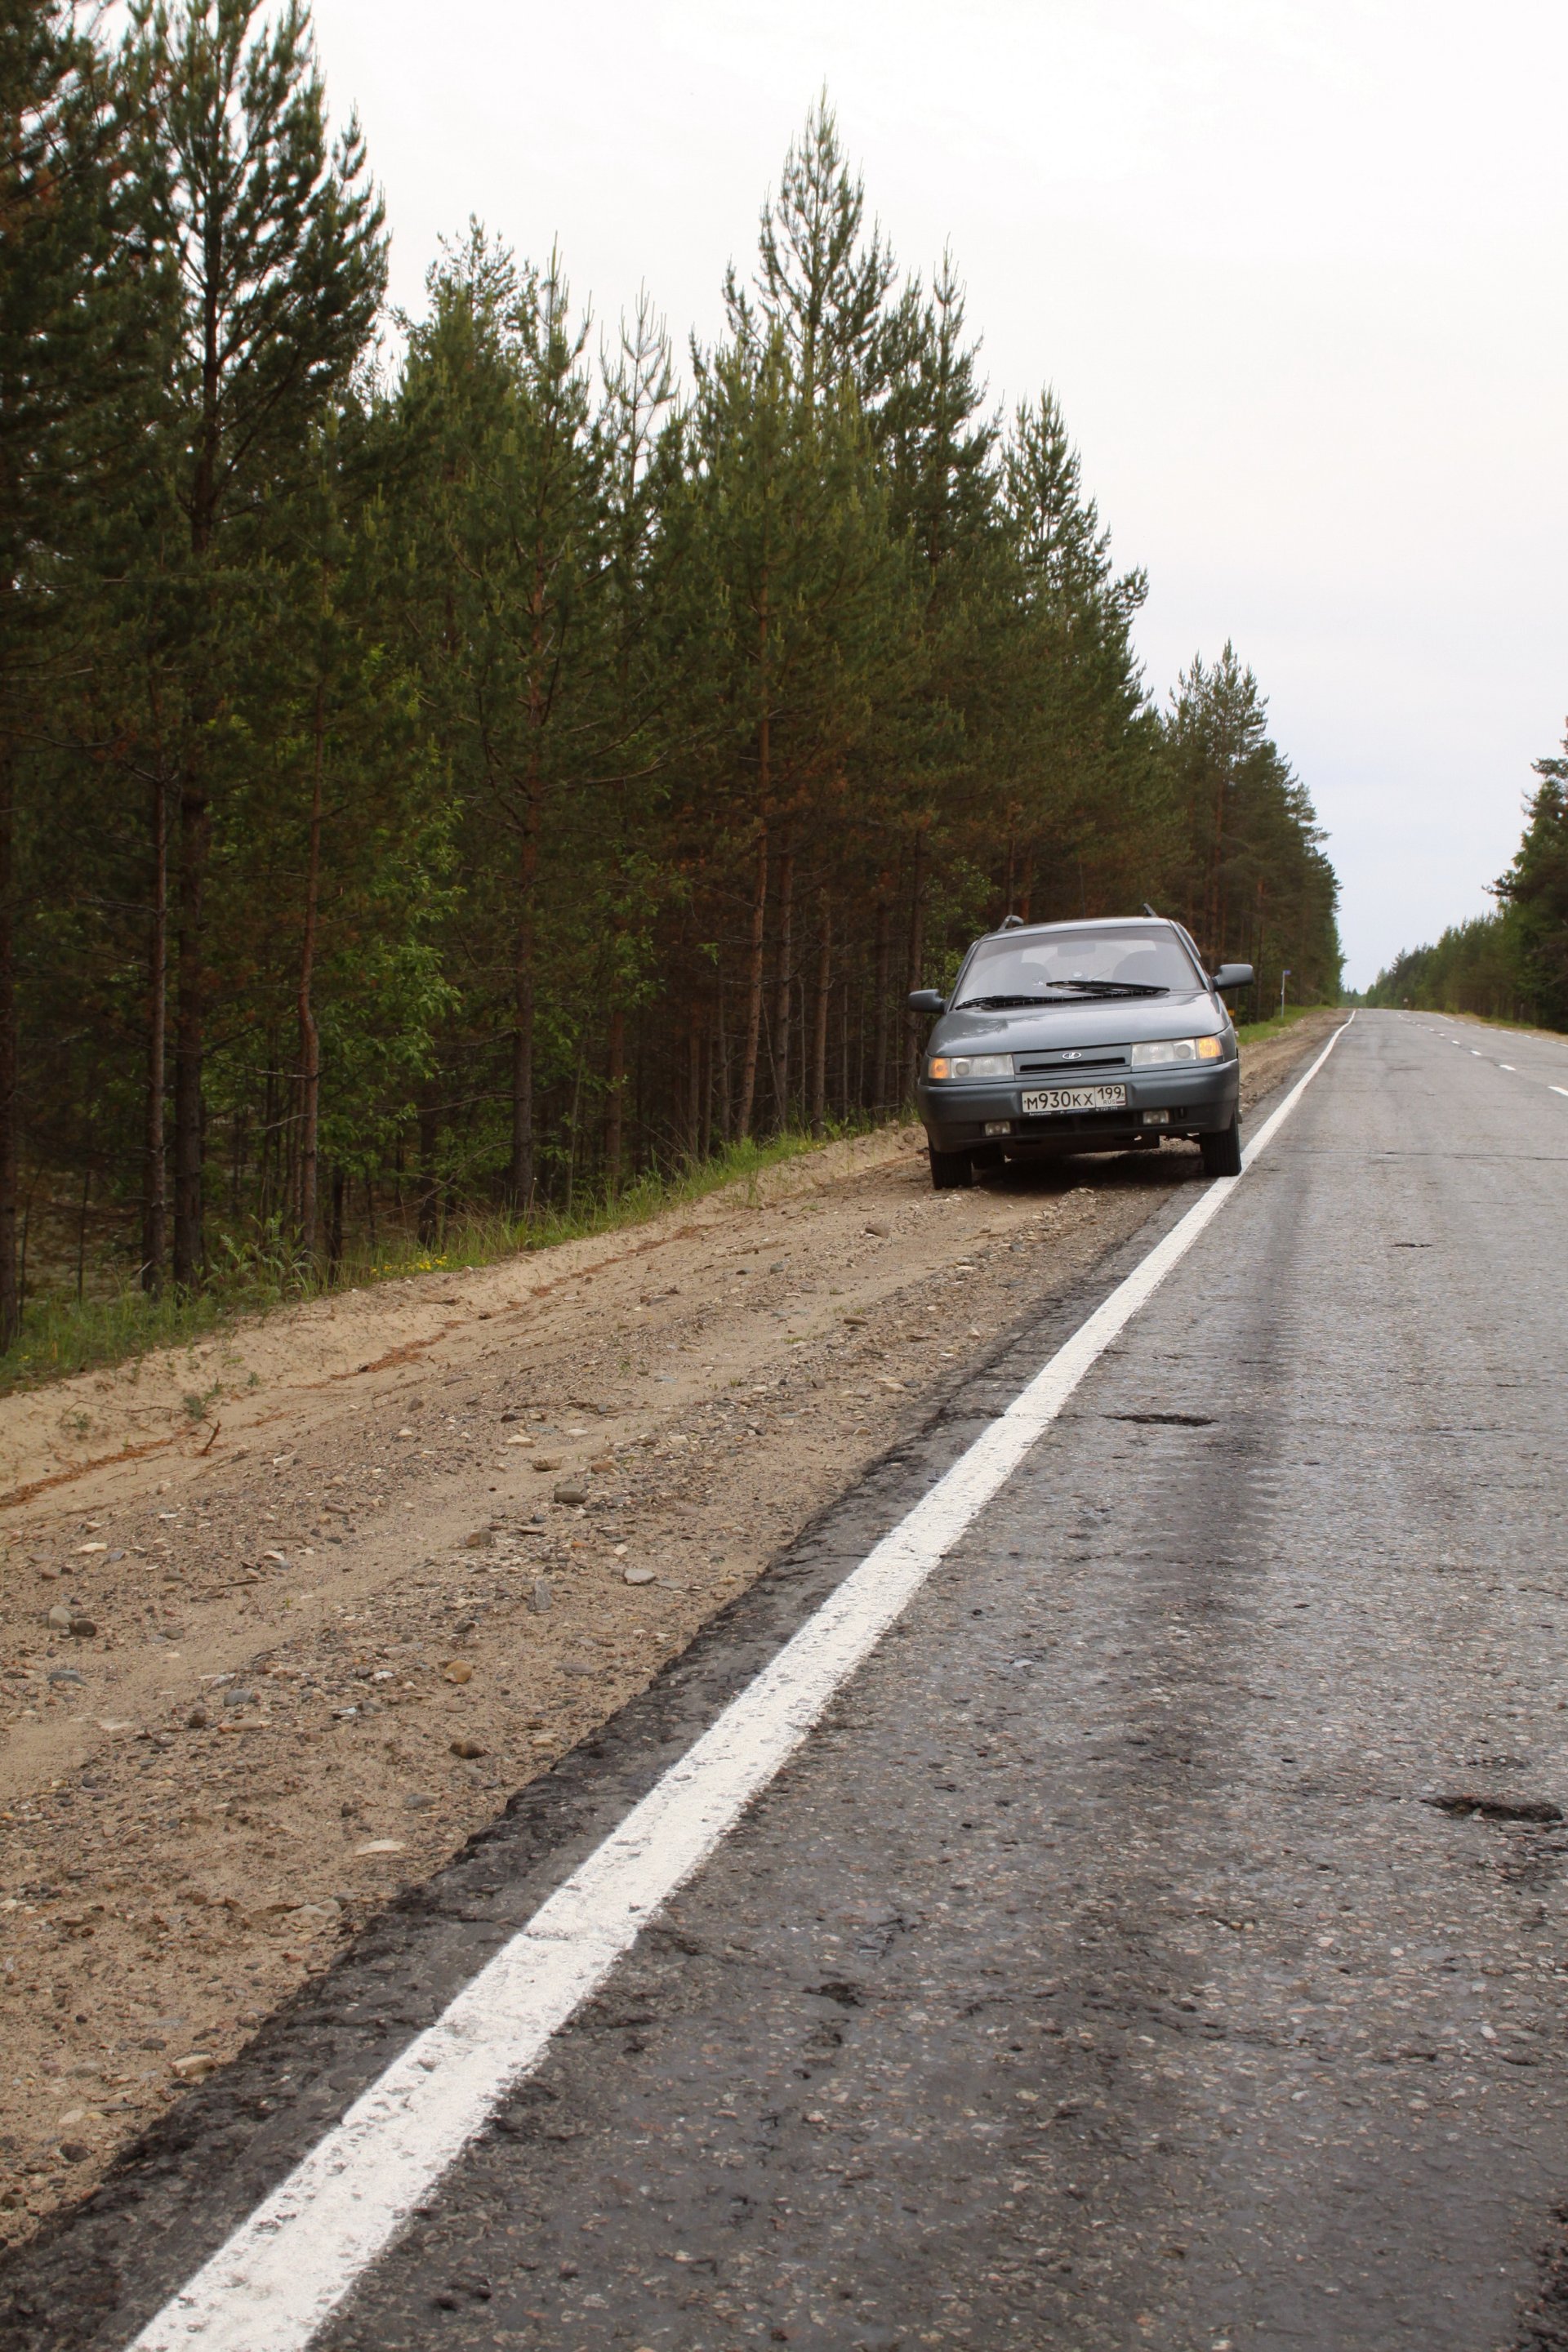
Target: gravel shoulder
[(355, 1574)]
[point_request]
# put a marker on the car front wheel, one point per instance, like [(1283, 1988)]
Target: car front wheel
[(1222, 1149), (951, 1170)]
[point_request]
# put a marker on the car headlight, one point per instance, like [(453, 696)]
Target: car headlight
[(970, 1065), (1175, 1049)]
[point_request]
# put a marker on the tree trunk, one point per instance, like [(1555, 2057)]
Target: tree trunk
[(309, 1034), (753, 1031), (819, 1021), (881, 983), (10, 1285), (523, 973), (81, 1235), (195, 823), (154, 1181), (1212, 916), (268, 1134), (522, 1187), (694, 1081), (912, 1021), (196, 846), (784, 980), (335, 1224), (430, 1183), (571, 1131), (710, 1063), (614, 1121)]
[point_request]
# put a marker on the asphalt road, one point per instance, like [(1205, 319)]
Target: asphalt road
[(1101, 1972)]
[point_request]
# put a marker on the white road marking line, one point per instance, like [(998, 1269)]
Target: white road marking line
[(1509, 1067), (283, 2273), (1559, 1090)]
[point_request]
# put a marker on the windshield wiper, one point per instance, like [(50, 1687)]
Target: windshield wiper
[(1079, 988), (998, 1004), (1112, 987)]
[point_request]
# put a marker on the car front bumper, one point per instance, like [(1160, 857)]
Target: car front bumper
[(1192, 1099)]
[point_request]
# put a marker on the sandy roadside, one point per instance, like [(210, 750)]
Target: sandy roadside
[(411, 1545)]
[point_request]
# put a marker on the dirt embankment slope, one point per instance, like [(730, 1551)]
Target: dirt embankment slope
[(421, 1539)]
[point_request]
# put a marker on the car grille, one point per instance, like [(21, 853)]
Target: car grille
[(1115, 1058)]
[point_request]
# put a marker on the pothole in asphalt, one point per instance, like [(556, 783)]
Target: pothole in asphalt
[(1496, 1808), (1166, 1420)]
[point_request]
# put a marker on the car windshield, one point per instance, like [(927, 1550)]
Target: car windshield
[(1029, 967)]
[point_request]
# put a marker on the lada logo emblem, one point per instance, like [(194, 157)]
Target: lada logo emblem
[(1072, 1057)]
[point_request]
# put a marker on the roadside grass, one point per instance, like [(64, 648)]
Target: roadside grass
[(62, 1335), (1252, 1033)]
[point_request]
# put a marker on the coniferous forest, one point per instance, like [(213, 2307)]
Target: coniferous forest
[(1512, 964), (465, 761)]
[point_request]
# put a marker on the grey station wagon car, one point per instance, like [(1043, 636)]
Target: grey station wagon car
[(1091, 1037)]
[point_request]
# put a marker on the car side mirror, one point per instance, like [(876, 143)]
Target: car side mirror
[(1233, 975), (930, 1000)]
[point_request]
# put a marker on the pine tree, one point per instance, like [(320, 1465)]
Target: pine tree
[(640, 443), (62, 138), (796, 596), (1254, 881), (279, 256), (1082, 781), (821, 283), (516, 654), (1535, 894)]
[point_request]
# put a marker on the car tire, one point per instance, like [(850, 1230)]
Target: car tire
[(951, 1171), (1222, 1149)]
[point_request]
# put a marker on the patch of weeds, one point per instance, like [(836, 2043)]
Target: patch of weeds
[(1253, 1033), (249, 1277)]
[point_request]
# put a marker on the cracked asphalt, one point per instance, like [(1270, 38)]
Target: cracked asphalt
[(1160, 1941)]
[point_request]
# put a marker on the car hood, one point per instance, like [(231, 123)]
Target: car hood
[(1081, 1021)]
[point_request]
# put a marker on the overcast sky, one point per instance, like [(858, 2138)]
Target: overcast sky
[(1295, 267)]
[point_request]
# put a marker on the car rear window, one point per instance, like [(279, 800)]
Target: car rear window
[(1027, 962)]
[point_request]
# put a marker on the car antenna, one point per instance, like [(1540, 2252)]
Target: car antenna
[(1148, 909), (1012, 922)]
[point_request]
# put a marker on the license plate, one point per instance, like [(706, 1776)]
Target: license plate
[(1051, 1098)]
